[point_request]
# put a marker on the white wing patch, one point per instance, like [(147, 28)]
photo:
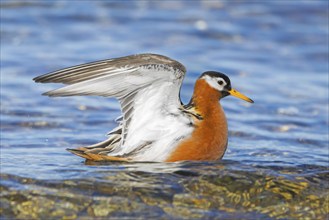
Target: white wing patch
[(155, 120), (147, 86)]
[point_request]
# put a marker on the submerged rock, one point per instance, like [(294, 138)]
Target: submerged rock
[(211, 192)]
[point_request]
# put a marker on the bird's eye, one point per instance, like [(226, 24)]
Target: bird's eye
[(220, 82)]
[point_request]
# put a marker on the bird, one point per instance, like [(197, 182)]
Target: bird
[(155, 125)]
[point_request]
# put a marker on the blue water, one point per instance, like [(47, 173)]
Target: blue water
[(276, 52)]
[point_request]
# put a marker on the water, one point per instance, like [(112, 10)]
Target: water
[(276, 165)]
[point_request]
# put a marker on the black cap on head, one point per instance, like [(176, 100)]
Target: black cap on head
[(213, 78), (218, 74)]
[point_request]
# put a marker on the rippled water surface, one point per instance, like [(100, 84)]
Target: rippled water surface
[(276, 165)]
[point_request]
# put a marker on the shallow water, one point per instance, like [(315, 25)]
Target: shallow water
[(276, 165)]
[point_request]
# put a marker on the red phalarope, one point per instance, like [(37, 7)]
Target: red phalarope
[(155, 125)]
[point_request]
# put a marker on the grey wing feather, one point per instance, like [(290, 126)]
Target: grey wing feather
[(121, 77), (101, 68)]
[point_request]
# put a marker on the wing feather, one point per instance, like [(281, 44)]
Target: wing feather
[(130, 79)]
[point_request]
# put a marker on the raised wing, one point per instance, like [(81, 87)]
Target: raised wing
[(145, 84)]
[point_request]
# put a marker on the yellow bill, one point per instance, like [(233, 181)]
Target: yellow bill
[(237, 94)]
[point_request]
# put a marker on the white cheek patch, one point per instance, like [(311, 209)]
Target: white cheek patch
[(213, 82)]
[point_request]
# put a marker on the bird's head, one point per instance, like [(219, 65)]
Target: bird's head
[(222, 83)]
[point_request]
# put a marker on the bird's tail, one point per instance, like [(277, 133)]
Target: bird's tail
[(82, 152)]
